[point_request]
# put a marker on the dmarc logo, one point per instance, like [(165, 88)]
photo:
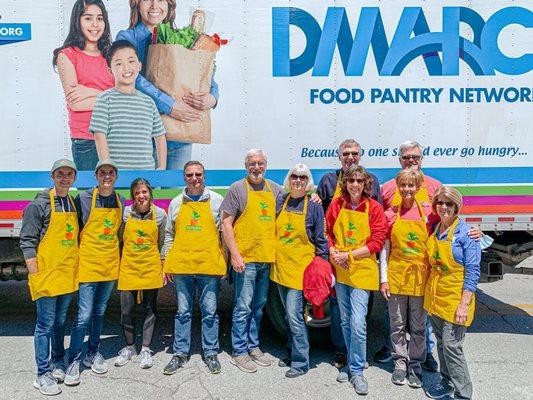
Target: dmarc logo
[(12, 33), (440, 51)]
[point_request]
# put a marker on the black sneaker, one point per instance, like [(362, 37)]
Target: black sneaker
[(212, 363), (399, 377), (383, 355), (339, 359), (440, 390), (292, 373), (177, 361), (284, 362), (414, 380), (430, 364)]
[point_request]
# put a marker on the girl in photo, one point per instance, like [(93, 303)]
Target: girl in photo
[(84, 74)]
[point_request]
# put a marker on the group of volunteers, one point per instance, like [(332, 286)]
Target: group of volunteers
[(114, 111), (406, 241)]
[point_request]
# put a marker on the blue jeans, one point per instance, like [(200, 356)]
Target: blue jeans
[(430, 343), (84, 154), (297, 337), (353, 304), (50, 327), (92, 302), (208, 287), (337, 338), (251, 291), (178, 153)]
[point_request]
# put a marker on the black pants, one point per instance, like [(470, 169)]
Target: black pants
[(128, 301)]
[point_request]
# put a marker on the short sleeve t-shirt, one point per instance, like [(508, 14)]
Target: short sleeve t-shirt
[(237, 197), (92, 72), (129, 121)]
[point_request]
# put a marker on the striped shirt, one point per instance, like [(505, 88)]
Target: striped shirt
[(129, 122)]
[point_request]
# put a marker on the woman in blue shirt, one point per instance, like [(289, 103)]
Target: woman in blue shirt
[(145, 15), (449, 299)]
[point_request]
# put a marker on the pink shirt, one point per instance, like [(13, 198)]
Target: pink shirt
[(91, 71), (389, 188), (411, 214)]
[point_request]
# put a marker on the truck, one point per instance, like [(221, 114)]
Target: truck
[(298, 77)]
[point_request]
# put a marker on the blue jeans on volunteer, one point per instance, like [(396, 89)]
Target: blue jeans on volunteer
[(50, 329), (297, 336), (251, 291), (208, 288)]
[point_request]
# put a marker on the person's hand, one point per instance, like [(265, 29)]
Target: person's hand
[(238, 263), (79, 92), (200, 100), (315, 198), (167, 278), (341, 259), (384, 288), (461, 314), (183, 112), (475, 233), (31, 264)]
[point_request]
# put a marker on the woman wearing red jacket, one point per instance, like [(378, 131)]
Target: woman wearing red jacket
[(356, 230)]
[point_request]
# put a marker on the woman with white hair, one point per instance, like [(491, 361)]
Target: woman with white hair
[(299, 238)]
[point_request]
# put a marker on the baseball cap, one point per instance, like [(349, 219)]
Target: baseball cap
[(64, 162), (101, 163)]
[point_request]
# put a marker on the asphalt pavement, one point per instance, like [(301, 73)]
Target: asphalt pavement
[(498, 347)]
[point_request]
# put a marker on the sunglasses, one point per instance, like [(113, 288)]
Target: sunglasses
[(413, 157), (359, 181), (448, 204), (195, 174), (295, 177), (350, 153)]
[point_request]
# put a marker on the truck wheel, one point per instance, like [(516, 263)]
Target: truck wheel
[(319, 329)]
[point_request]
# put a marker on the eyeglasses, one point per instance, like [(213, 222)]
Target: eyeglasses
[(196, 174), (350, 153), (448, 204), (359, 181), (414, 157), (295, 177), (256, 164)]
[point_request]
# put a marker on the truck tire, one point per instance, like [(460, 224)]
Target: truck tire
[(319, 329)]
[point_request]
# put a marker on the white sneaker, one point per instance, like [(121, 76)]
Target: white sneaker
[(146, 359), (96, 363), (125, 355)]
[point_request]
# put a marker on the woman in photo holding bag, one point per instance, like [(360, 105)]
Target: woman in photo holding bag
[(299, 237), (145, 15)]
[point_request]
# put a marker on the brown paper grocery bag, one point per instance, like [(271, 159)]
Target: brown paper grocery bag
[(176, 71)]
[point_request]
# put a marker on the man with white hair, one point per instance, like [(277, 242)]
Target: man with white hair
[(248, 226)]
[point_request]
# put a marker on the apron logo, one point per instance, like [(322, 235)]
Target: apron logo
[(439, 265), (193, 225), (107, 235), (139, 241), (69, 236), (264, 212), (411, 242), (349, 239), (286, 238)]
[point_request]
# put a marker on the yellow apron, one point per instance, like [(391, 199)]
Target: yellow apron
[(57, 255), (351, 231), (255, 230), (99, 246), (444, 287), (408, 268), (140, 264), (196, 248), (422, 196), (294, 251), (338, 190)]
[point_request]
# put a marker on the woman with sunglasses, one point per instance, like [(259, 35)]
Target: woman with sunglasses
[(141, 272), (449, 300), (299, 238), (356, 230)]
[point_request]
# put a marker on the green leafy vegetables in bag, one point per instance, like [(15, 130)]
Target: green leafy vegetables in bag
[(167, 35)]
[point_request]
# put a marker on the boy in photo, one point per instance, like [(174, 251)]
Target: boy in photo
[(124, 120)]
